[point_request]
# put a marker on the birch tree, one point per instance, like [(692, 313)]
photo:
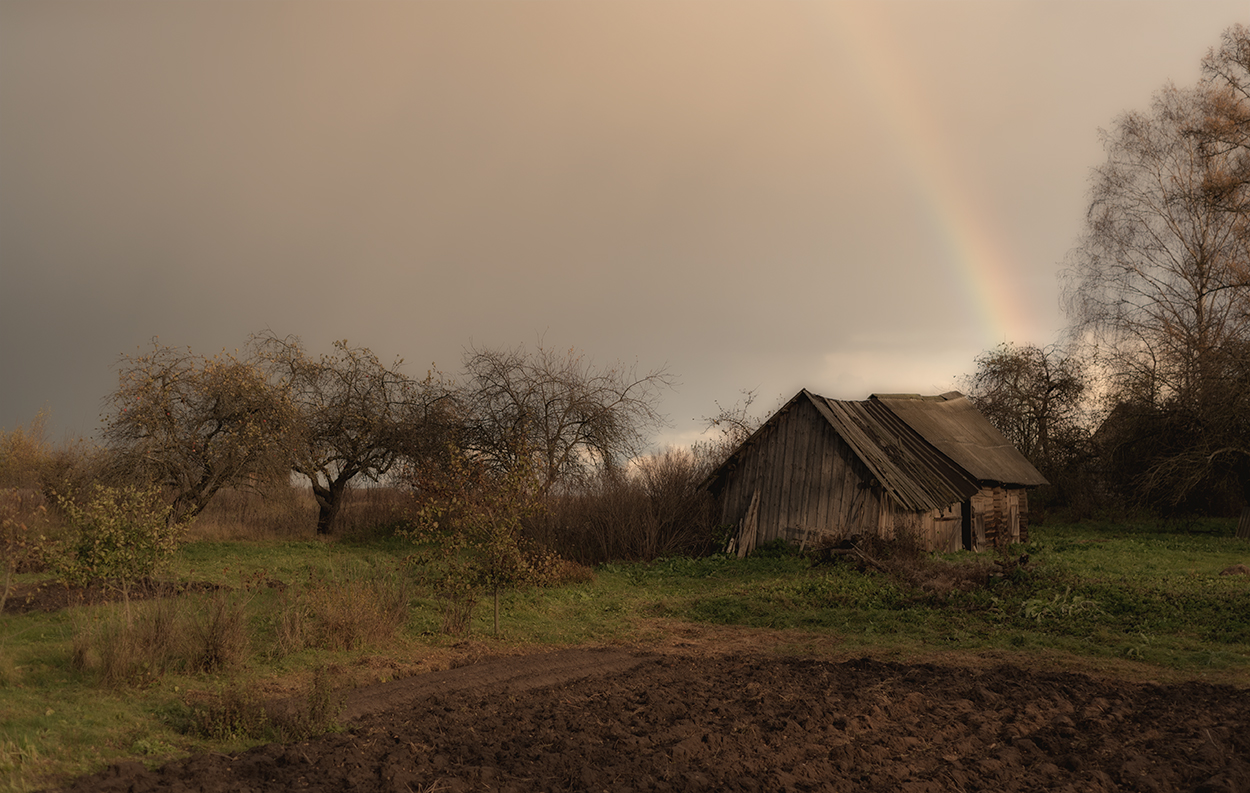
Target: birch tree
[(1159, 285)]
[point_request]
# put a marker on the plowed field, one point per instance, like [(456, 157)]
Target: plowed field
[(626, 719)]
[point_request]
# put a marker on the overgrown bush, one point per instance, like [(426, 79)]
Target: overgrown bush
[(28, 462), (654, 510), (23, 452), (118, 534), (23, 521)]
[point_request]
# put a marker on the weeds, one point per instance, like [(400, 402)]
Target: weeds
[(1059, 607), (340, 613), (233, 713), (222, 640), (19, 762), (237, 712)]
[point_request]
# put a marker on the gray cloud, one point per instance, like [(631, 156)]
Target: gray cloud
[(724, 187)]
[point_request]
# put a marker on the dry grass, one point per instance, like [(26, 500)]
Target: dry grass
[(655, 510), (340, 613), (238, 712), (221, 637), (123, 644), (906, 562), (279, 513), (565, 572), (285, 513)]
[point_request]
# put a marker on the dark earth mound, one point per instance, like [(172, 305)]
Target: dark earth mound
[(54, 596), (617, 720)]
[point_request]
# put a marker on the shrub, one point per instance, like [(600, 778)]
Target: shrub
[(655, 510), (23, 515), (119, 534)]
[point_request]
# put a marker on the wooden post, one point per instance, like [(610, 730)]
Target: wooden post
[(750, 526), (1243, 526)]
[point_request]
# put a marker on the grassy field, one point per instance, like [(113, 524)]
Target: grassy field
[(89, 685)]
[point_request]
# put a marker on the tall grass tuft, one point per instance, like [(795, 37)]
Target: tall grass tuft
[(238, 712), (182, 633), (120, 649), (341, 612), (222, 640)]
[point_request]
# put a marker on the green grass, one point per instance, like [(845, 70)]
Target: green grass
[(1140, 599)]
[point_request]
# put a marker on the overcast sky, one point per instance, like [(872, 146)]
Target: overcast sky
[(852, 197)]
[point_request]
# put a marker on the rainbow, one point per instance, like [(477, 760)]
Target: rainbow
[(979, 260)]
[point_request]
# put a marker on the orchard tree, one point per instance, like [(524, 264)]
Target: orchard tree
[(352, 416), (1034, 396), (555, 413), (1038, 398), (194, 424)]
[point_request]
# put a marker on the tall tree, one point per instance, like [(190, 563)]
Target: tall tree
[(1225, 128), (1160, 278), (194, 425), (557, 414), (1160, 283), (353, 416)]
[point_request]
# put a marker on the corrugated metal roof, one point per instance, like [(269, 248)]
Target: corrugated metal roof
[(952, 424)]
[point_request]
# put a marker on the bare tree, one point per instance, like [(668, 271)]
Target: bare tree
[(1225, 129), (1159, 286), (353, 417), (732, 426), (1160, 280), (562, 412), (1034, 396), (194, 425), (1038, 398)]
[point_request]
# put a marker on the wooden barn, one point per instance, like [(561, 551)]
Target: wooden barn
[(931, 468)]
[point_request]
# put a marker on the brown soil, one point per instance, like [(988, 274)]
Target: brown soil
[(53, 596), (717, 709)]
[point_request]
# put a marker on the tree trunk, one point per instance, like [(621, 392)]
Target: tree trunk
[(329, 501)]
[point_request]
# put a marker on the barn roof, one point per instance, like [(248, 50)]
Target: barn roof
[(952, 424), (928, 452)]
